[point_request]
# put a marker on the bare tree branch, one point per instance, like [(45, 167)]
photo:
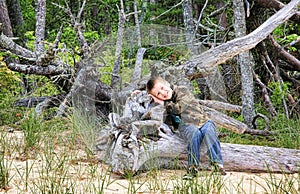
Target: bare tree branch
[(77, 26), (285, 55), (16, 49), (263, 87), (49, 70)]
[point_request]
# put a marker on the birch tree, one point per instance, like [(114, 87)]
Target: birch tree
[(245, 62)]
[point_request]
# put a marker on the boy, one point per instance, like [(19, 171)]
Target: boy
[(185, 114)]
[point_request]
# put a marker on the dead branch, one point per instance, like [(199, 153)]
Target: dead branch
[(137, 72), (267, 120), (285, 55), (50, 70), (263, 87), (16, 49), (277, 77), (224, 121), (119, 45), (77, 26), (221, 105)]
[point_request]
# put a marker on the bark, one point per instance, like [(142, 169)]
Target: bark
[(189, 25), (40, 29), (245, 63), (16, 49), (221, 105), (205, 62), (42, 102), (50, 70), (242, 158), (15, 15), (137, 72), (4, 19), (137, 24), (119, 44), (224, 121)]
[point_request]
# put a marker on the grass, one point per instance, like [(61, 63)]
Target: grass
[(286, 135)]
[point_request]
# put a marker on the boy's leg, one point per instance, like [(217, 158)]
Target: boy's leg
[(193, 136), (194, 148), (213, 145)]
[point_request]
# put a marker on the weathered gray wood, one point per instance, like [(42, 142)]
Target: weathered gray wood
[(217, 105), (245, 62), (246, 158), (224, 121)]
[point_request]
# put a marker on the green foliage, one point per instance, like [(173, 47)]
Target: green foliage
[(287, 33), (279, 92), (196, 90), (30, 43), (286, 134), (9, 87), (28, 13)]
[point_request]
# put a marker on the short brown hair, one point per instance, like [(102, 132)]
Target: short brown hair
[(153, 80)]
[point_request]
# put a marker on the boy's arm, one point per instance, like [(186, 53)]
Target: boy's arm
[(182, 100)]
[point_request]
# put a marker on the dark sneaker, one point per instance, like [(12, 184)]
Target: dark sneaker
[(188, 176), (191, 173)]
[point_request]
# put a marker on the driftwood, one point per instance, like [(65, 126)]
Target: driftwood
[(139, 140)]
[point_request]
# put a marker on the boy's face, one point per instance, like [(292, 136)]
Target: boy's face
[(162, 91)]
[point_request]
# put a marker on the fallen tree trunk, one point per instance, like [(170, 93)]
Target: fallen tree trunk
[(139, 140), (246, 158), (170, 152)]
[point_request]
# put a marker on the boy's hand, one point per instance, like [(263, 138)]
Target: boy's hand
[(157, 100), (135, 92)]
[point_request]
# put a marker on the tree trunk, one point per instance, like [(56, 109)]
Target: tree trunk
[(137, 24), (245, 63), (119, 43), (15, 15), (4, 19), (189, 25), (40, 28)]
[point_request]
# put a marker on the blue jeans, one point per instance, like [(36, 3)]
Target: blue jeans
[(194, 136)]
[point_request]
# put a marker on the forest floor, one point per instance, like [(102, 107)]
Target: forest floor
[(58, 168)]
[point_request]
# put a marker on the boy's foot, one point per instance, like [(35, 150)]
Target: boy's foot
[(191, 173), (220, 169)]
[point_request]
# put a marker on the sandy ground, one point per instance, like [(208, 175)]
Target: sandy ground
[(63, 170)]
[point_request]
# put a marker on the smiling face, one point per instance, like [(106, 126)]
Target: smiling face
[(161, 89)]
